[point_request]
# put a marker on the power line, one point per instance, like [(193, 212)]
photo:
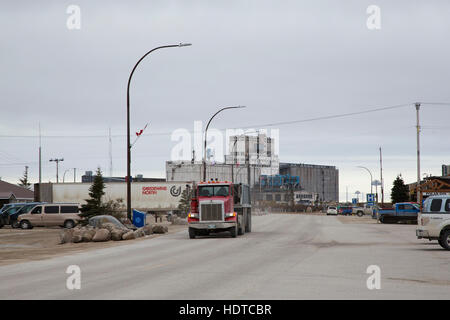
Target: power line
[(281, 123)]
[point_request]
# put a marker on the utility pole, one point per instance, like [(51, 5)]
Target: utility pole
[(74, 174), (57, 164), (381, 179), (40, 156), (418, 192), (110, 156)]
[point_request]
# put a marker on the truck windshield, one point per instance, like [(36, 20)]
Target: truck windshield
[(210, 191)]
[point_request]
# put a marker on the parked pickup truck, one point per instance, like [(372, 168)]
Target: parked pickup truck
[(364, 210), (402, 211), (434, 221), (345, 210)]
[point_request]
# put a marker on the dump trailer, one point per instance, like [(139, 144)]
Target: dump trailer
[(220, 206), (404, 211)]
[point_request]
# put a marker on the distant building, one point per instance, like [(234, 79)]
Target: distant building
[(252, 160), (188, 171), (445, 170), (88, 177), (249, 158), (315, 179), (13, 193), (258, 151)]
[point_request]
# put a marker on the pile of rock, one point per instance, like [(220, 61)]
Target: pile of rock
[(106, 232), (178, 221)]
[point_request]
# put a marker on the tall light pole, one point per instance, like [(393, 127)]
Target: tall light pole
[(64, 175), (128, 179), (206, 136), (371, 178), (381, 178), (418, 193), (57, 164)]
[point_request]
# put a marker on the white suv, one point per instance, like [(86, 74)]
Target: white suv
[(434, 220)]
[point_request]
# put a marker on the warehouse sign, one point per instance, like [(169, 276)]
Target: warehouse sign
[(175, 191), (153, 190)]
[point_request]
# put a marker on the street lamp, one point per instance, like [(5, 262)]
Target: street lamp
[(206, 136), (128, 179), (357, 194), (371, 179), (64, 175)]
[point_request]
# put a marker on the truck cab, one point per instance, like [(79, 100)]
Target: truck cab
[(220, 206), (434, 220)]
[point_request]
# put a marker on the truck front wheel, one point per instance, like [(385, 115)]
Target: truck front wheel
[(234, 231), (191, 233), (359, 213), (248, 223), (444, 240)]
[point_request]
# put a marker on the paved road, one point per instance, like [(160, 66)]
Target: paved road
[(286, 257)]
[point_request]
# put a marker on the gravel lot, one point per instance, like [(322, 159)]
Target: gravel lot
[(17, 245)]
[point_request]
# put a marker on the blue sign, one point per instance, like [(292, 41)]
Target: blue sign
[(370, 199), (354, 201)]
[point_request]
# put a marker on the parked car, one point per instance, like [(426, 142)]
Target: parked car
[(10, 205), (345, 210), (98, 221), (434, 220), (51, 214), (332, 211), (4, 215), (9, 216), (402, 211)]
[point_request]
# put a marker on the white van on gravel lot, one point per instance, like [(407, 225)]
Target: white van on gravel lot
[(434, 220)]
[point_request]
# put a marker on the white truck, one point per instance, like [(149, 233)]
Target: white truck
[(434, 220), (363, 210)]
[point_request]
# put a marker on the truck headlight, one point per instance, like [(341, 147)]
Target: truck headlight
[(193, 215), (230, 214)]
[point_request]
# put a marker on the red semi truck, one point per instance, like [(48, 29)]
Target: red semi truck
[(220, 206)]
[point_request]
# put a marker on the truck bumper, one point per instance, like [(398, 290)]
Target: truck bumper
[(420, 233), (212, 225)]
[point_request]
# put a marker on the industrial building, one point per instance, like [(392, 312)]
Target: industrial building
[(445, 170), (318, 179), (252, 160), (249, 158), (88, 177)]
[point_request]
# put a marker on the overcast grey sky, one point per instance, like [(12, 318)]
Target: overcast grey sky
[(284, 60)]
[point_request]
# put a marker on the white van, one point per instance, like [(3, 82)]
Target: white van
[(434, 220), (51, 214)]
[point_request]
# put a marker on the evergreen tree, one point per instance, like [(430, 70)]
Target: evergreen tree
[(24, 181), (94, 205), (185, 202), (399, 192)]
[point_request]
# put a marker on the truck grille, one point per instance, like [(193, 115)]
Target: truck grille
[(211, 211)]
